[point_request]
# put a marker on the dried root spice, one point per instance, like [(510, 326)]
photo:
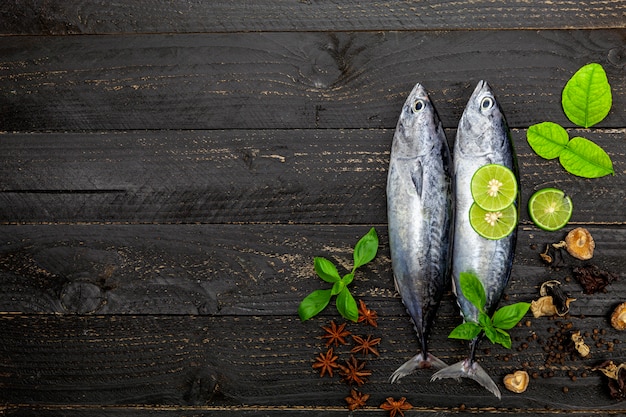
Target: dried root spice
[(593, 278)]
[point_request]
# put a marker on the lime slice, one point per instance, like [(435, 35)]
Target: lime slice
[(494, 187), (493, 224), (550, 208)]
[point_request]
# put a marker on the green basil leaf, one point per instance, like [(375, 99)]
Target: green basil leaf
[(586, 98), (313, 304), (484, 320), (346, 305), (492, 334), (547, 139), (348, 278), (338, 287), (498, 336), (501, 337), (365, 249), (326, 270), (508, 316), (584, 158), (465, 331), (473, 289)]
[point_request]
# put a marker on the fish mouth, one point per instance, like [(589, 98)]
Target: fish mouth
[(419, 91), (481, 87)]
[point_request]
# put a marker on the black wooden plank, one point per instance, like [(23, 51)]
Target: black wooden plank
[(291, 80), (91, 17), (239, 270), (266, 361), (269, 411), (273, 176)]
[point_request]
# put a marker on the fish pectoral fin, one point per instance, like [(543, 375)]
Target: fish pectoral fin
[(417, 176), (417, 362), (471, 370)]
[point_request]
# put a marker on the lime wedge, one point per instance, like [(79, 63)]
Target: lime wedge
[(493, 224), (494, 187), (550, 209)]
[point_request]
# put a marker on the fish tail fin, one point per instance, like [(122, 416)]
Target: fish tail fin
[(469, 369), (417, 362)]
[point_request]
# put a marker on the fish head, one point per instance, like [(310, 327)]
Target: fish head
[(419, 127), (482, 128)]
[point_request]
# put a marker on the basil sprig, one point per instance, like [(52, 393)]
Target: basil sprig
[(494, 327), (364, 252)]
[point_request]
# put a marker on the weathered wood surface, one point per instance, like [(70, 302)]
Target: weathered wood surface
[(292, 80), (88, 16), (269, 176), (166, 181), (227, 269)]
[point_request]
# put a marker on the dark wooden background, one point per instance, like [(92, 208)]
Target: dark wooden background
[(170, 169)]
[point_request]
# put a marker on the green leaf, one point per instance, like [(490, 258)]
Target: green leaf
[(586, 98), (348, 278), (492, 334), (547, 139), (508, 316), (365, 249), (346, 305), (338, 287), (473, 289), (584, 158), (326, 270), (313, 304), (484, 320), (465, 331), (501, 337)]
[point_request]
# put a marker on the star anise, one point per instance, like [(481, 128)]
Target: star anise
[(365, 345), (366, 315), (356, 399), (335, 334), (394, 406), (326, 362), (353, 372)]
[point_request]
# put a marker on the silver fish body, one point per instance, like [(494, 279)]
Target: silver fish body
[(420, 211), (482, 138)]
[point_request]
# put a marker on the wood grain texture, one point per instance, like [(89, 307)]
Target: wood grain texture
[(168, 171), (270, 176), (236, 270), (155, 16), (269, 411), (265, 361), (291, 80)]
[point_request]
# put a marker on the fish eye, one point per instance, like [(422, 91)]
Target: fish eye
[(486, 103), (418, 105)]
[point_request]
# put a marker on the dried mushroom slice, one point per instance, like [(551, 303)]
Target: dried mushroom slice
[(580, 345), (557, 301), (580, 243), (618, 318), (517, 381)]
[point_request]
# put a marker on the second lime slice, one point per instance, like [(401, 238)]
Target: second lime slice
[(550, 209), (493, 224), (494, 187)]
